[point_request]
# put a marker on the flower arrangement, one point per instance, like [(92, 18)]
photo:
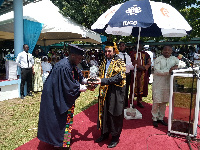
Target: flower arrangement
[(10, 57)]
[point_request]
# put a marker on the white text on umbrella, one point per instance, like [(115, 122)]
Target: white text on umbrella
[(126, 23), (133, 10)]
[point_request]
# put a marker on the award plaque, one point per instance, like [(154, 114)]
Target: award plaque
[(92, 78), (93, 73)]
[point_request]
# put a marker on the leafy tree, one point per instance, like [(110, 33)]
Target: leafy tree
[(178, 4), (86, 12), (192, 15)]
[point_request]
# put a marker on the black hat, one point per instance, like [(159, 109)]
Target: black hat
[(108, 43), (73, 49)]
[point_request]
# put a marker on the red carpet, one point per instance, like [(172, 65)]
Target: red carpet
[(136, 134)]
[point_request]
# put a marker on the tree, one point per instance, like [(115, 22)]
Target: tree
[(86, 12), (192, 15), (179, 4)]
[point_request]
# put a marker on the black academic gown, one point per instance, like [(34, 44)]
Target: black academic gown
[(113, 111), (59, 94)]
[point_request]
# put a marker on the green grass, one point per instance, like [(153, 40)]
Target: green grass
[(19, 118)]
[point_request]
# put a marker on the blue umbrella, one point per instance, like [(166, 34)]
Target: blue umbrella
[(154, 18), (133, 13)]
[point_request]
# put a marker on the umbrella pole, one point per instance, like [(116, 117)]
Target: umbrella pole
[(135, 68)]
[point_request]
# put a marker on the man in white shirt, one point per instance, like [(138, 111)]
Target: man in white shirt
[(127, 59), (93, 62), (163, 67), (25, 61)]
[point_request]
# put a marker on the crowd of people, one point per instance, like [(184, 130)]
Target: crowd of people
[(123, 77), (34, 70)]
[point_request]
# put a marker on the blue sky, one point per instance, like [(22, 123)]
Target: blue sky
[(195, 5)]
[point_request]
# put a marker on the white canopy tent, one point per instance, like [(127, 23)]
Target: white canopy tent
[(56, 27)]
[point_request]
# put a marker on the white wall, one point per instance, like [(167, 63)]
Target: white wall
[(9, 92)]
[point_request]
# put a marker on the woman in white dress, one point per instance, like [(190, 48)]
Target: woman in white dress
[(37, 73)]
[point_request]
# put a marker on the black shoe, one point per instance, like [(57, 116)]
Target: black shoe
[(30, 94), (155, 123), (22, 96), (140, 105), (113, 144), (101, 138), (162, 122)]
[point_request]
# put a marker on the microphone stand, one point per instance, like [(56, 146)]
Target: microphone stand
[(188, 138), (195, 74)]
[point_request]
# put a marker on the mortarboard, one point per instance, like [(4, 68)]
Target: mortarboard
[(73, 49), (112, 44), (108, 43)]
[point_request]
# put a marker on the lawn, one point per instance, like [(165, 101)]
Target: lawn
[(19, 118)]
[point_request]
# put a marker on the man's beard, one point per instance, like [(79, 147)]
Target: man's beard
[(109, 57)]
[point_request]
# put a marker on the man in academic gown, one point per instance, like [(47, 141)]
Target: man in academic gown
[(111, 95), (61, 89)]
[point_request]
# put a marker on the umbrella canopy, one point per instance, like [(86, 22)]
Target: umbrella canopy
[(56, 27), (155, 19)]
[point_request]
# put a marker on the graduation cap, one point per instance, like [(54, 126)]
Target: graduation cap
[(112, 44), (73, 49), (108, 43)]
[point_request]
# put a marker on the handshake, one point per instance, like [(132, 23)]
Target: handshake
[(93, 83), (89, 84)]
